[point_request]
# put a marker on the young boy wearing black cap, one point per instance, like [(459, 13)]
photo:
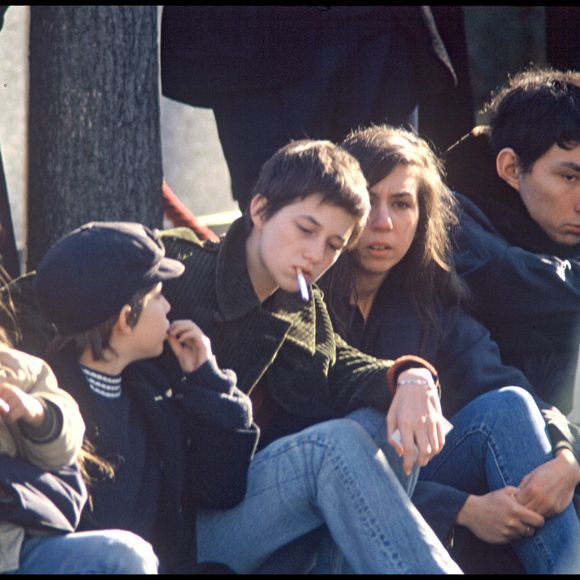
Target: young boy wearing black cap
[(173, 446)]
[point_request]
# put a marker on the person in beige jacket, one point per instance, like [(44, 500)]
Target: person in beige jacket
[(41, 423)]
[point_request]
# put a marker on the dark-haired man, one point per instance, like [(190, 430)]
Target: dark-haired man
[(518, 245)]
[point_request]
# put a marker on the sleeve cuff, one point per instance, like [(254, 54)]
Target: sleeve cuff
[(212, 377), (51, 427), (404, 363)]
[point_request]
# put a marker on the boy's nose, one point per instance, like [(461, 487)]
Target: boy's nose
[(314, 252)]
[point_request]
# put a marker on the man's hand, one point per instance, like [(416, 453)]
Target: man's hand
[(416, 412), (16, 404), (190, 345), (549, 488), (498, 518)]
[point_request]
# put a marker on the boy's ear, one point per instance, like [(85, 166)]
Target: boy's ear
[(123, 320), (257, 206), (506, 164)]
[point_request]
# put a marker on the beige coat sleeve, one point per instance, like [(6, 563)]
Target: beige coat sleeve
[(34, 376)]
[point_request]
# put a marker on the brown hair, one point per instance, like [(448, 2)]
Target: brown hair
[(306, 167), (427, 266)]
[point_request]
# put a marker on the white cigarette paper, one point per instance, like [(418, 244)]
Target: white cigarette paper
[(302, 285), (396, 436)]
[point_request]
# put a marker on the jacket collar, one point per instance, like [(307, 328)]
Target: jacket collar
[(234, 291), (236, 296)]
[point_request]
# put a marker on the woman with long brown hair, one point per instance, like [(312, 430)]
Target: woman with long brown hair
[(396, 292)]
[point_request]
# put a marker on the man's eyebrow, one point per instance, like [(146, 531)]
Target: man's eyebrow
[(570, 165)]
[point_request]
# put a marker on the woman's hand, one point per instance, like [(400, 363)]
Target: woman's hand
[(190, 345), (416, 413)]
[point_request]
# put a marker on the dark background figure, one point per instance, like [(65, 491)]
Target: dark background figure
[(448, 114), (563, 36), (276, 73), (8, 253)]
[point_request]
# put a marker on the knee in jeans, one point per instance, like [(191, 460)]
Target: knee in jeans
[(343, 431), (131, 553), (509, 401), (520, 398)]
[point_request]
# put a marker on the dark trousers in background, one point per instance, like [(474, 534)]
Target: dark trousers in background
[(360, 80)]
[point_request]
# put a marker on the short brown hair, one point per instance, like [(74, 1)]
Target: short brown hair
[(306, 167)]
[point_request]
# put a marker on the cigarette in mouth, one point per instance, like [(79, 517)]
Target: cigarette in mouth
[(302, 285)]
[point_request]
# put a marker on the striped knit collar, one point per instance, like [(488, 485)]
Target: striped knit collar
[(108, 386)]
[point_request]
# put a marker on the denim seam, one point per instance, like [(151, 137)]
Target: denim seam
[(490, 442), (368, 523)]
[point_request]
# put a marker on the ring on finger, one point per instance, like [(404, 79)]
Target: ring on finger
[(529, 531)]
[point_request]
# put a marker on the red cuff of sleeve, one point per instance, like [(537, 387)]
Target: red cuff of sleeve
[(404, 363)]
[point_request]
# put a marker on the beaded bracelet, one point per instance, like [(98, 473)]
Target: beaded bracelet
[(417, 381)]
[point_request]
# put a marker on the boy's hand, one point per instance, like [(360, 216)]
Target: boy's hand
[(16, 404), (190, 345)]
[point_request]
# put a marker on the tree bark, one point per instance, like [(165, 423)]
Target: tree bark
[(94, 129)]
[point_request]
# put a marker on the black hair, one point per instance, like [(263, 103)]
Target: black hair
[(536, 109)]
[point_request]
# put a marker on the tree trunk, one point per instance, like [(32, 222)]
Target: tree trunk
[(94, 134)]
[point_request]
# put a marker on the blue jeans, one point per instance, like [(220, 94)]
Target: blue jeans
[(330, 480), (496, 440), (99, 552)]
